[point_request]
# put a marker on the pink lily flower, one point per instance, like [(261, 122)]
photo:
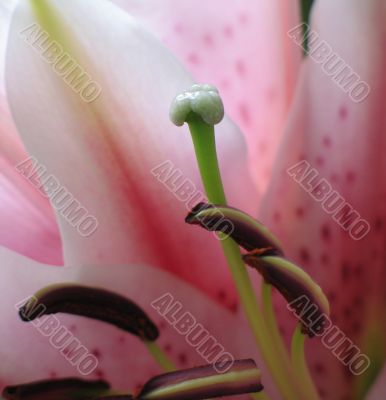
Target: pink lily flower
[(103, 153), (117, 154)]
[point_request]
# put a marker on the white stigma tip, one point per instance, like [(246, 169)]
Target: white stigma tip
[(203, 100)]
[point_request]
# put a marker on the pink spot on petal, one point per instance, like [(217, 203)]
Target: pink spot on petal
[(350, 176), (327, 142), (225, 84), (222, 295), (325, 232), (234, 307), (343, 113), (276, 216), (378, 224), (358, 302), (178, 28), (244, 113), (304, 256), (162, 325), (193, 58), (325, 259), (334, 178), (345, 271), (168, 348), (208, 40), (182, 358), (320, 161), (347, 312), (319, 368), (228, 31), (96, 353), (240, 68), (243, 18), (99, 373)]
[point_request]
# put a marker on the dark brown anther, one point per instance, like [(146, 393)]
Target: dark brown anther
[(242, 228), (93, 303), (58, 389), (217, 380), (304, 295)]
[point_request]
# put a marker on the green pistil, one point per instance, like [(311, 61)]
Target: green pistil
[(205, 147), (204, 141)]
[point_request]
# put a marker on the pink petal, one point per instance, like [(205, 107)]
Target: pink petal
[(242, 47), (103, 152), (123, 360), (28, 224), (344, 141)]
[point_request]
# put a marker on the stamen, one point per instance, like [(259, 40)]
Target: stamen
[(242, 228), (160, 356), (294, 283), (299, 362), (58, 389), (204, 142), (93, 303), (204, 382)]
